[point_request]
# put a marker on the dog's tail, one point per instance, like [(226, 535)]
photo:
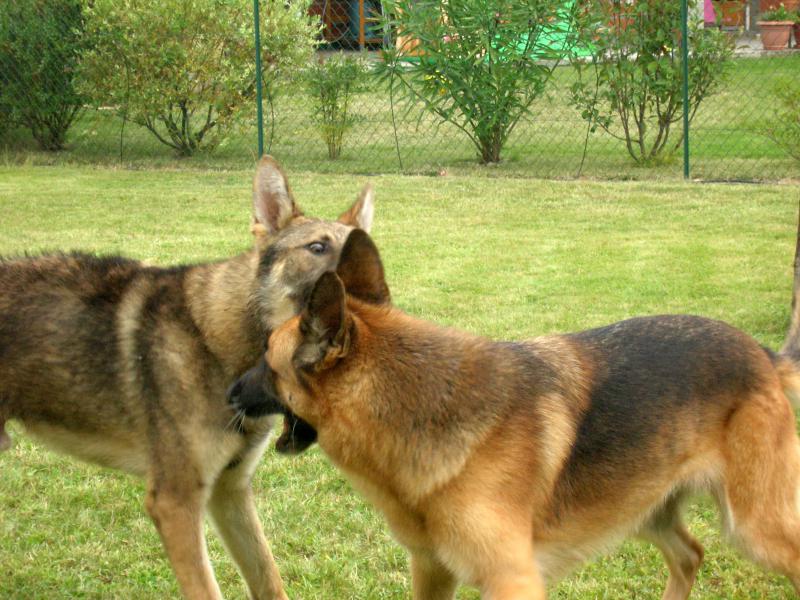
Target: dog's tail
[(789, 355)]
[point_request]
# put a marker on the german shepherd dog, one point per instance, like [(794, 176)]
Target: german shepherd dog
[(127, 365), (505, 464)]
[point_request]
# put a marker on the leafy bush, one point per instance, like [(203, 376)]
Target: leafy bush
[(41, 42), (784, 126), (635, 89), (184, 69), (331, 84), (478, 64)]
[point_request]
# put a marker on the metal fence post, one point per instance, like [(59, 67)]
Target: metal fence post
[(685, 55), (259, 108)]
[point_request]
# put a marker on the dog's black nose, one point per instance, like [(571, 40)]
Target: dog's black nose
[(254, 392)]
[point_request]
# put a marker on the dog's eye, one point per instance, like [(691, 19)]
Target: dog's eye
[(317, 247)]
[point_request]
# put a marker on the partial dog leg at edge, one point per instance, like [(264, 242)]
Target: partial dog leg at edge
[(5, 439)]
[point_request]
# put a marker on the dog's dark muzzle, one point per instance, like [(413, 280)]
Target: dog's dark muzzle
[(255, 395)]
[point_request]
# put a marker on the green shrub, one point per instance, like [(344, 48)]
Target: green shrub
[(635, 89), (184, 69), (784, 126), (331, 83), (41, 43), (478, 64)]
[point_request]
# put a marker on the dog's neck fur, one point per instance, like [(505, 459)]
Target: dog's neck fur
[(226, 310)]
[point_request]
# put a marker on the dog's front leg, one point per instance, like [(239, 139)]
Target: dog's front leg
[(233, 511), (526, 585), (508, 571), (430, 579), (176, 507)]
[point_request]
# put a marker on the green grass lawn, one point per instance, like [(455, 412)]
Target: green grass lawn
[(510, 258), (727, 139)]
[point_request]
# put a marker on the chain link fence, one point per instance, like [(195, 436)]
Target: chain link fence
[(747, 127)]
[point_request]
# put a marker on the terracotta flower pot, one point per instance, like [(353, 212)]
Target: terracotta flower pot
[(796, 29), (775, 34)]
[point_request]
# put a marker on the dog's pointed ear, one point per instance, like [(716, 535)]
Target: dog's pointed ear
[(324, 325), (361, 270), (273, 203), (363, 210)]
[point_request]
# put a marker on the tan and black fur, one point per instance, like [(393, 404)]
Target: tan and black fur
[(126, 365), (506, 464)]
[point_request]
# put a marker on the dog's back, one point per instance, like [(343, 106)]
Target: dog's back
[(655, 383), (78, 337), (59, 340), (663, 397)]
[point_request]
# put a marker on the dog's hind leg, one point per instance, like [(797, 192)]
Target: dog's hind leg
[(682, 553), (759, 498), (5, 439), (233, 511)]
